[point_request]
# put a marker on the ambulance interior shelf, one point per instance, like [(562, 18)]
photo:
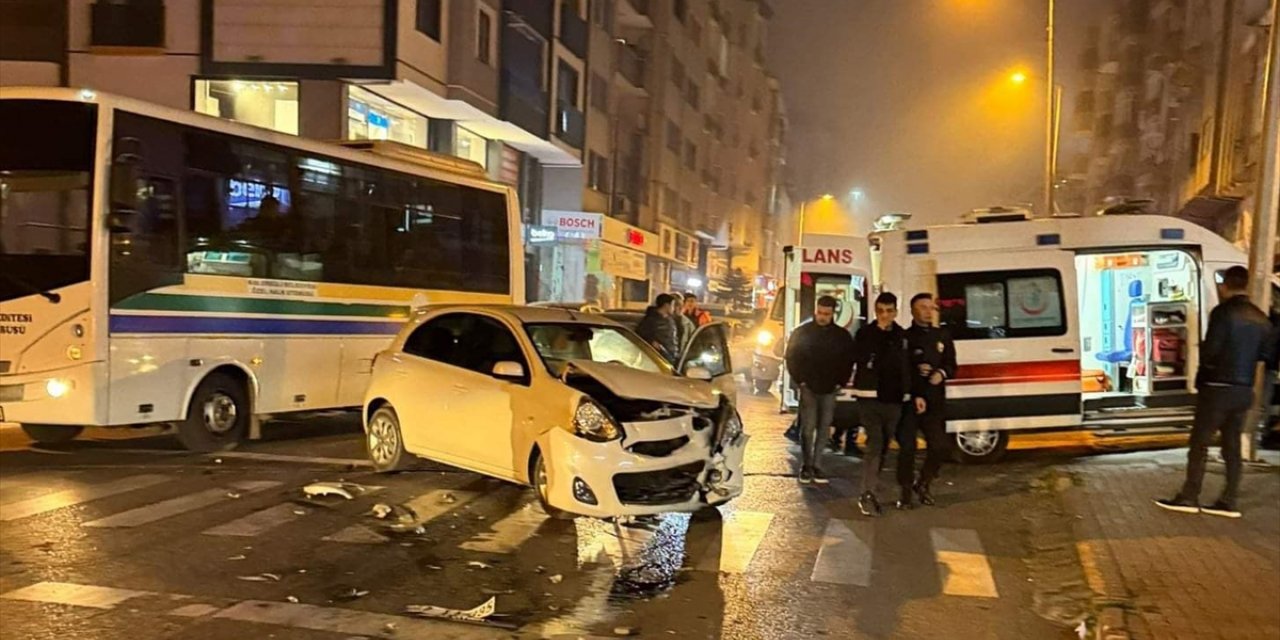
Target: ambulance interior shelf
[(1160, 346)]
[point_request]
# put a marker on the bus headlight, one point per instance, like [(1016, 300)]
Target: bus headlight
[(764, 338), (56, 388)]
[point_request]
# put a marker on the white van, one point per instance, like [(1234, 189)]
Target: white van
[(1063, 323)]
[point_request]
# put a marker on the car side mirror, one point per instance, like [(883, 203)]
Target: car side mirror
[(508, 370), (698, 373)]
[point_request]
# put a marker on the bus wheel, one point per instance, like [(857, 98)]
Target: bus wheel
[(51, 433), (218, 417), (974, 447), (383, 442)]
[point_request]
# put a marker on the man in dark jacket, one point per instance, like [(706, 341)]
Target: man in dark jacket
[(819, 359), (658, 328), (1238, 338), (882, 383), (933, 362)]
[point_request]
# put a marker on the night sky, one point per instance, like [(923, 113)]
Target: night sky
[(909, 100)]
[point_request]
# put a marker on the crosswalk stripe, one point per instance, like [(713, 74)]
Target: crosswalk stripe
[(740, 537), (966, 571), (80, 495), (258, 521), (507, 534), (80, 595), (179, 505), (845, 554), (427, 506)]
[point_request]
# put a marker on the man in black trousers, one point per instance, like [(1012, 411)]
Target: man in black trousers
[(933, 362)]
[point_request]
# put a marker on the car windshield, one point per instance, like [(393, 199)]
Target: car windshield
[(558, 343)]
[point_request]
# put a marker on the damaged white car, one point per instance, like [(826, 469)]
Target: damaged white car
[(573, 404)]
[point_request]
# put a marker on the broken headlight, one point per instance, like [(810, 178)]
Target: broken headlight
[(592, 422), (732, 427)]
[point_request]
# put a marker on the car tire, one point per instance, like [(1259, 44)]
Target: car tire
[(51, 433), (384, 442), (980, 447), (538, 480), (218, 417), (761, 386)]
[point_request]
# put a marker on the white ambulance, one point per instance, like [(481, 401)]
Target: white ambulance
[(1063, 323)]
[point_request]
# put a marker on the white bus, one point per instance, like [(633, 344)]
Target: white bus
[(160, 266)]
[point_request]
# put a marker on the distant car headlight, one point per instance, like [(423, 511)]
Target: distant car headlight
[(56, 388), (592, 422), (764, 338)]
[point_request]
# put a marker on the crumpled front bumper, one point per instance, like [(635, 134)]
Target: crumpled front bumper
[(644, 473)]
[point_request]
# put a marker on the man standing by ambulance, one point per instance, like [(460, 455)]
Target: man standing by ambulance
[(933, 362), (882, 384)]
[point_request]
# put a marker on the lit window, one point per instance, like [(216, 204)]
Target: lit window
[(267, 104), (471, 146), (372, 117)]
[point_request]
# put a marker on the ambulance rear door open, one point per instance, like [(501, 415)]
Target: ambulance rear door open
[(1014, 318)]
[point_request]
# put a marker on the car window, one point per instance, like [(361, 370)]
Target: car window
[(708, 350), (557, 344), (469, 341)]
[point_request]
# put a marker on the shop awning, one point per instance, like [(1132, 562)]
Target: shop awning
[(1219, 215)]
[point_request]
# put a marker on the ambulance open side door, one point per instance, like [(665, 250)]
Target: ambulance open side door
[(1014, 317)]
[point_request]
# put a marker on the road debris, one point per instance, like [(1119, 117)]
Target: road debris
[(624, 631), (239, 556), (261, 577), (556, 579), (380, 510), (292, 599), (217, 460), (448, 498), (299, 512), (350, 593), (478, 615), (476, 564), (347, 490), (233, 495), (435, 567)]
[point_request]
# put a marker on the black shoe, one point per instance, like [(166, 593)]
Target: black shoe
[(806, 476), (819, 477), (869, 506), (1222, 509), (922, 491), (1179, 504), (905, 503)]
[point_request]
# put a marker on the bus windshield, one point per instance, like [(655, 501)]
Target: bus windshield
[(46, 164)]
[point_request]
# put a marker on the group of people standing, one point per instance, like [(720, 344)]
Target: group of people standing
[(669, 328), (899, 378)]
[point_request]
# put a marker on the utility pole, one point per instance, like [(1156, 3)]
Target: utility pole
[(1262, 255), (1050, 118)]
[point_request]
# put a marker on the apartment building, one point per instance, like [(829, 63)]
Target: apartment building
[(636, 131), (1172, 111)]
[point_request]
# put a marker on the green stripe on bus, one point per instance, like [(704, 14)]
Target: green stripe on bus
[(221, 304)]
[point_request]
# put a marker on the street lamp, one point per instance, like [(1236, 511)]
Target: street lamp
[(1052, 128), (1017, 77)]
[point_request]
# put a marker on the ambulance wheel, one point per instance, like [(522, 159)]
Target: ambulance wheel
[(51, 433), (761, 386), (981, 447), (218, 417)]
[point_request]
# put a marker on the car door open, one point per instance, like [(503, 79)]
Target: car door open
[(707, 357)]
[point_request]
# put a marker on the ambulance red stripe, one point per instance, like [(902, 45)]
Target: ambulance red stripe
[(1018, 372)]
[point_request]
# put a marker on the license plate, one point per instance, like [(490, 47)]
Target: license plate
[(11, 393)]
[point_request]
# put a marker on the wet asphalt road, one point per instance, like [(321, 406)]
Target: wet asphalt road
[(122, 535)]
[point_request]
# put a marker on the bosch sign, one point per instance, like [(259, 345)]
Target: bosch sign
[(573, 224)]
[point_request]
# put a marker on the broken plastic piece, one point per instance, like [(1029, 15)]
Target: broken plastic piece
[(623, 631), (344, 489), (292, 599), (351, 593), (261, 577), (476, 564), (556, 579), (477, 615), (380, 510), (448, 498), (233, 495), (239, 556)]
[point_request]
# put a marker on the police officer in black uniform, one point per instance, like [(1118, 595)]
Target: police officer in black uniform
[(933, 362)]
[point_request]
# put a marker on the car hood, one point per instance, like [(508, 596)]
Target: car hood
[(635, 384)]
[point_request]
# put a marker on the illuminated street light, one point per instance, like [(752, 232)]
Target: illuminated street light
[(856, 194), (1018, 77), (827, 196)]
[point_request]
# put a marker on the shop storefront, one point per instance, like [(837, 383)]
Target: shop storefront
[(262, 103), (595, 259), (681, 250), (372, 117)]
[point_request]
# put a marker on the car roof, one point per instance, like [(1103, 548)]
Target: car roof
[(522, 314)]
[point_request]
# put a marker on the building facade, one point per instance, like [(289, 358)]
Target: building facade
[(1171, 111), (649, 118)]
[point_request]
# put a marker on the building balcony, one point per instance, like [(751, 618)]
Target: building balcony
[(524, 103), (535, 13), (573, 33), (571, 126), (631, 68), (135, 25), (633, 14)]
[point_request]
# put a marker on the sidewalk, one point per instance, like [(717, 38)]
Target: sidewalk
[(1159, 575)]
